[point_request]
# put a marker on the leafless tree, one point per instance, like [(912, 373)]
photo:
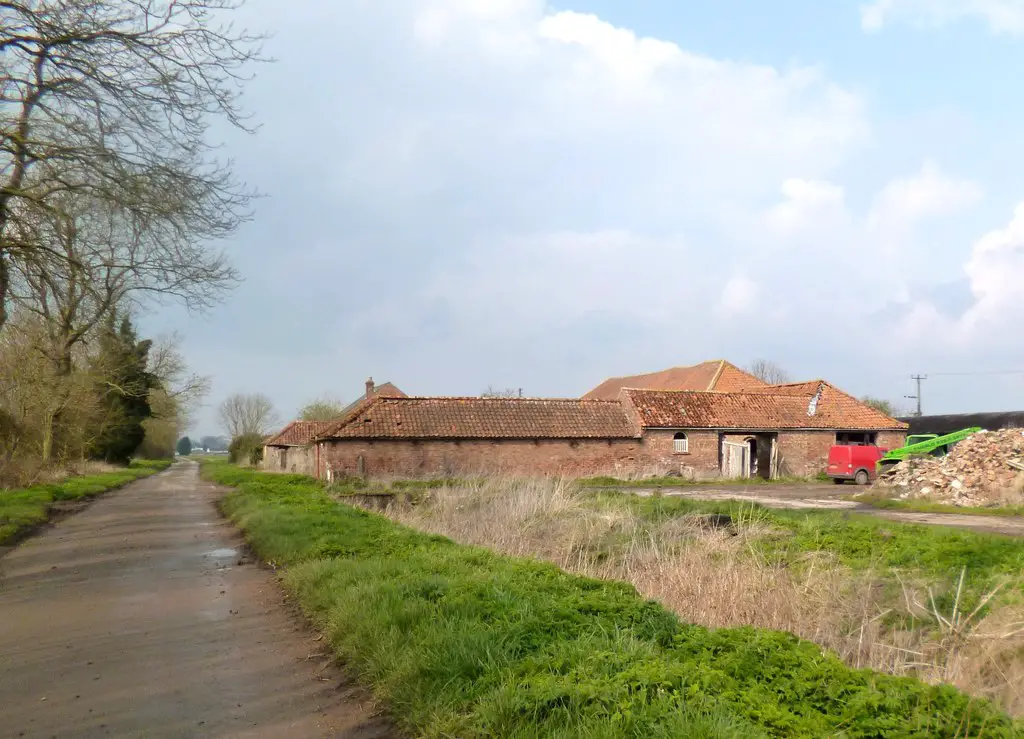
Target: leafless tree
[(768, 371), (493, 392), (883, 406), (322, 409), (242, 415), (97, 257), (183, 388), (110, 101)]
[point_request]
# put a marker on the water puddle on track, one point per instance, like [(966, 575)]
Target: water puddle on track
[(221, 553)]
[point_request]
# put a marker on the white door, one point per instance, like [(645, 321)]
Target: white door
[(735, 460)]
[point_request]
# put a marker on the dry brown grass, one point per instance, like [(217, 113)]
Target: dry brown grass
[(715, 577), (22, 473)]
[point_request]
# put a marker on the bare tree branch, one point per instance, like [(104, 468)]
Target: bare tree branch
[(242, 415), (768, 372), (111, 101)]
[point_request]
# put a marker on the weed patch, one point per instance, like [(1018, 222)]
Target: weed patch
[(461, 641)]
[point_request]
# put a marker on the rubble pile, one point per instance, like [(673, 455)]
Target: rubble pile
[(984, 469)]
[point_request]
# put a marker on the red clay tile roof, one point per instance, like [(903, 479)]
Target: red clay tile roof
[(385, 390), (752, 411), (718, 375), (731, 379), (298, 433), (791, 388), (486, 418)]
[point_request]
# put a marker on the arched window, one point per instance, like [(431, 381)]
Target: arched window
[(681, 445)]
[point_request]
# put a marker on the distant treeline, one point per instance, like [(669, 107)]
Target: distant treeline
[(949, 423)]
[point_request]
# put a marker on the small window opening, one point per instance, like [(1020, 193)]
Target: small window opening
[(680, 444)]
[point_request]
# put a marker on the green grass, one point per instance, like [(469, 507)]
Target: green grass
[(926, 506), (678, 482), (936, 554), (459, 641), (21, 511)]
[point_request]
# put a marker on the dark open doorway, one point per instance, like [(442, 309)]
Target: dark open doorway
[(761, 447)]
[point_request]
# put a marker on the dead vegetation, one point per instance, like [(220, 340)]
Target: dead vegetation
[(710, 570)]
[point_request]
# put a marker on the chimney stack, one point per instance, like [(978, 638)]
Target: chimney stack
[(370, 388)]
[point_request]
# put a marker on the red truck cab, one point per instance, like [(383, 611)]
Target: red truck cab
[(857, 463)]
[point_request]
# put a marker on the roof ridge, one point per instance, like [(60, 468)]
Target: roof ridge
[(524, 399), (279, 434), (753, 391), (717, 375)]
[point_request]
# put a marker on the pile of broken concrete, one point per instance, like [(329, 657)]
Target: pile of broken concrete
[(984, 469)]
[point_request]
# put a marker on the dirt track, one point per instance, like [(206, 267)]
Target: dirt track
[(141, 616)]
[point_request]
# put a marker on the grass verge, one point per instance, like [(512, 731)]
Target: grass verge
[(681, 482), (460, 641), (24, 510), (925, 506), (859, 541)]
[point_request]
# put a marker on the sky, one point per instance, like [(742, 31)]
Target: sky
[(460, 194)]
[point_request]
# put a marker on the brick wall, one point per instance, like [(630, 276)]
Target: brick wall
[(892, 439), (652, 455), (803, 453), (299, 460)]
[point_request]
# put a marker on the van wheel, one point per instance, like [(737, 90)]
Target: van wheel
[(861, 477)]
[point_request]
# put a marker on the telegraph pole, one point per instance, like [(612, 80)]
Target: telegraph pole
[(918, 379)]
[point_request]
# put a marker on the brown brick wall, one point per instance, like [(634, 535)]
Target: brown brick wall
[(892, 439), (582, 458), (804, 453), (294, 460)]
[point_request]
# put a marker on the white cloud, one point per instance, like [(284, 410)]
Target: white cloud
[(1001, 16), (928, 193), (739, 296), (500, 189), (806, 202), (996, 274)]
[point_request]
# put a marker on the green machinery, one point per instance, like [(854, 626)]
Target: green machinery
[(921, 445)]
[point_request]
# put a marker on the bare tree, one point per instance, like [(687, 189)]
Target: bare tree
[(883, 406), (111, 101), (184, 389), (493, 392), (322, 409), (243, 415), (768, 371)]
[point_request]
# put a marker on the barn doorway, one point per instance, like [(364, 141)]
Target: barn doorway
[(749, 456), (762, 452)]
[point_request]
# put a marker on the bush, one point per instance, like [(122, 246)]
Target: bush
[(246, 449), (463, 642)]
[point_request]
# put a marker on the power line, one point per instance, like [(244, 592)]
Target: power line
[(977, 374)]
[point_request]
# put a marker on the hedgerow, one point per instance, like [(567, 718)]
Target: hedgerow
[(459, 641)]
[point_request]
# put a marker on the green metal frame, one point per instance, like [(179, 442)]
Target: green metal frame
[(939, 444)]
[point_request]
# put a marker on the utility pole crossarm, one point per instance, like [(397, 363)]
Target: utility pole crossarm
[(918, 379)]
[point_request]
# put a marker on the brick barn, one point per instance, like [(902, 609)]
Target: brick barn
[(721, 422), (292, 448)]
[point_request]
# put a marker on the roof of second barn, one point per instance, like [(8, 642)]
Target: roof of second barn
[(486, 418), (812, 405), (298, 433)]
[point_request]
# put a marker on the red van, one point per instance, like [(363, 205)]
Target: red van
[(857, 463)]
